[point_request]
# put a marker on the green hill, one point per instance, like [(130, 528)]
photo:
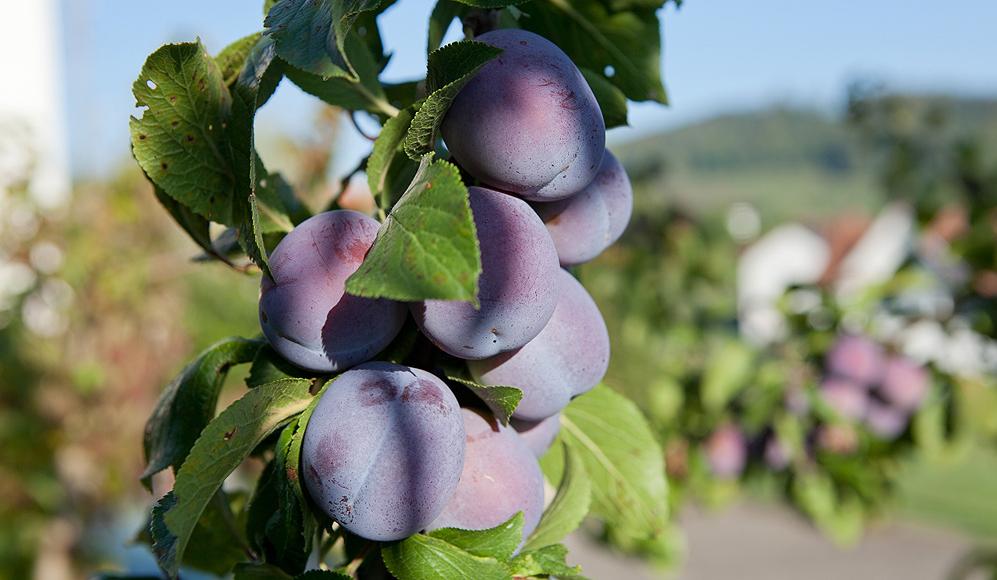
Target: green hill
[(789, 163)]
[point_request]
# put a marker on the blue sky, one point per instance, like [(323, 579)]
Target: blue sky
[(720, 55)]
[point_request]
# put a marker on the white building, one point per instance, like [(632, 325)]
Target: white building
[(32, 114)]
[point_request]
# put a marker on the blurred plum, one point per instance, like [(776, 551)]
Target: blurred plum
[(905, 383), (837, 438), (885, 421), (856, 358), (726, 452), (848, 399)]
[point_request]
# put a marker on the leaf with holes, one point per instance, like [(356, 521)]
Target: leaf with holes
[(427, 248), (180, 140), (222, 446), (448, 71), (188, 403), (623, 461)]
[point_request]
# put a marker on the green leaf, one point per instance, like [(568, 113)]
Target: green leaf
[(499, 542), (440, 18), (612, 101), (196, 226), (547, 561), (232, 58), (322, 575), (387, 151), (622, 459), (596, 37), (279, 525), (180, 140), (501, 400), (841, 517), (448, 71), (188, 403), (421, 557), (314, 36), (337, 91), (246, 571), (217, 544), (222, 446), (728, 371), (268, 366), (491, 3), (305, 36), (570, 504), (195, 139), (245, 161), (427, 248)]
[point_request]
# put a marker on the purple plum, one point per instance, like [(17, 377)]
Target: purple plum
[(905, 383), (383, 451), (569, 357), (585, 224), (885, 421), (305, 312), (726, 452), (527, 123), (517, 288), (848, 399), (856, 358), (501, 477), (538, 435)]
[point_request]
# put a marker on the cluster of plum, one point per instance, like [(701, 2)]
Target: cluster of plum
[(388, 450), (866, 386), (863, 385)]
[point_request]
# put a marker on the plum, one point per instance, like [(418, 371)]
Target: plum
[(501, 477), (384, 450), (905, 383), (568, 358), (517, 289), (777, 454), (885, 421), (305, 312), (848, 399), (726, 451), (538, 435), (527, 123), (856, 358), (585, 224), (838, 439)]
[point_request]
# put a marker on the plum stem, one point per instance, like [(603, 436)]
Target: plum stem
[(358, 560)]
